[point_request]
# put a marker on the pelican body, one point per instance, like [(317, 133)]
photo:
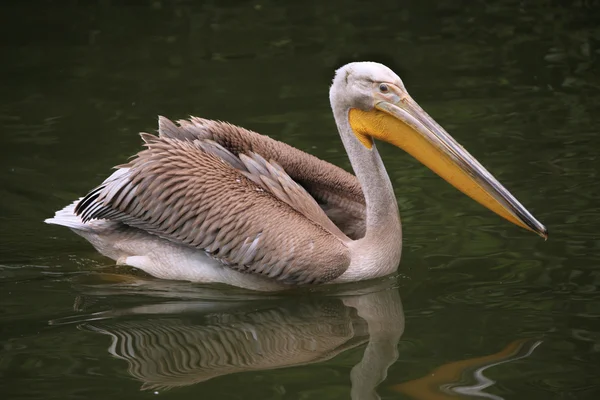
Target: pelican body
[(207, 201)]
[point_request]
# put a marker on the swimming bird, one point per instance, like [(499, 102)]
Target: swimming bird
[(207, 201)]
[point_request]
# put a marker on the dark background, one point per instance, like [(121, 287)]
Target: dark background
[(516, 82)]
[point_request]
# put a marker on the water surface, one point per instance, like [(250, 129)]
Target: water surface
[(480, 308)]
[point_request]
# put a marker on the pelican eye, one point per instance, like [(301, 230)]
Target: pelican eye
[(383, 88)]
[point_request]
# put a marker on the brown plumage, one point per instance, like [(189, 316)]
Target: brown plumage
[(336, 190), (188, 188)]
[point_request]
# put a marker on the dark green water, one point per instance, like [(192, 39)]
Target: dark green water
[(481, 309)]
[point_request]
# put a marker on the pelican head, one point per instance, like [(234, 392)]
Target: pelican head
[(378, 106)]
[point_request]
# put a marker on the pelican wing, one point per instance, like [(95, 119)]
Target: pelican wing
[(244, 210), (336, 191)]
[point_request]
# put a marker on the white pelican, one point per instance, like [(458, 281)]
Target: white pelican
[(207, 201)]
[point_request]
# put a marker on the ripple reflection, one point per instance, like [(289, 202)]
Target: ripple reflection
[(179, 343)]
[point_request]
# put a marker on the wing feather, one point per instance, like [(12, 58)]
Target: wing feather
[(336, 191), (192, 192)]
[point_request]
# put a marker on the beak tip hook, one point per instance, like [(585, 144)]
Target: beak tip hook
[(544, 233)]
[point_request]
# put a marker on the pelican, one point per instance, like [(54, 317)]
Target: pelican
[(207, 201)]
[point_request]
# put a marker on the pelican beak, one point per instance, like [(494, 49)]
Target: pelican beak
[(405, 125)]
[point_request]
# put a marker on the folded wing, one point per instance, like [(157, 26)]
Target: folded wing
[(245, 211), (336, 190)]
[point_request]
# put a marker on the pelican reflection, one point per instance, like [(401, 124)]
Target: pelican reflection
[(178, 343)]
